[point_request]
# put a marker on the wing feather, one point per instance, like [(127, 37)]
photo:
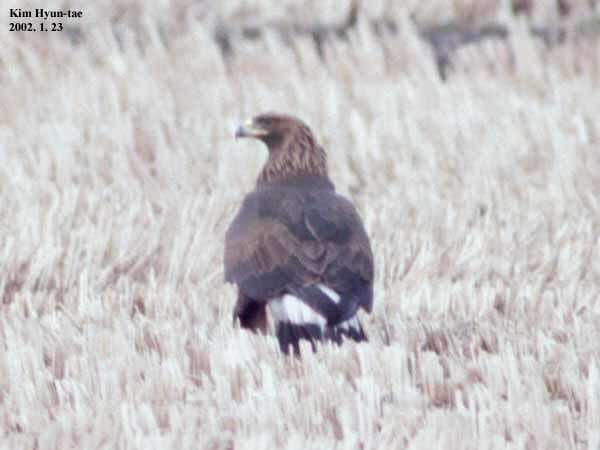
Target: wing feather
[(284, 240)]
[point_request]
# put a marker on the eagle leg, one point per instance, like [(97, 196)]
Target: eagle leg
[(252, 314)]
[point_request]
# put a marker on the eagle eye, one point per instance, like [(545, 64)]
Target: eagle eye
[(265, 121)]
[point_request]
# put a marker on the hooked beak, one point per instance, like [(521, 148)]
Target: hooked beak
[(251, 130)]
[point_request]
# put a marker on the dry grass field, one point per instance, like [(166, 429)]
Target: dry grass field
[(119, 174)]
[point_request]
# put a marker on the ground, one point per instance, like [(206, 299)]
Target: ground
[(119, 174)]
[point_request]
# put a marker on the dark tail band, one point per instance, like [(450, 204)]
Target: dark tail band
[(290, 334)]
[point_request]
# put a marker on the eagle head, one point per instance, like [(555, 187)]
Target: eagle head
[(273, 129), (293, 149)]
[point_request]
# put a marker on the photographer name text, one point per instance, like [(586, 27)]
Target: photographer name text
[(41, 13)]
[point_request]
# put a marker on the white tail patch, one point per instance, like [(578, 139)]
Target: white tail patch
[(289, 308), (329, 292)]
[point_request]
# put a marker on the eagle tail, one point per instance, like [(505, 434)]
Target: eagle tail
[(290, 334), (304, 316), (349, 329)]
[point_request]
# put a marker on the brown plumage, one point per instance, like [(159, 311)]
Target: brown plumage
[(296, 248)]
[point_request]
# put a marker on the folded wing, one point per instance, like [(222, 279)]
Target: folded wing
[(287, 241)]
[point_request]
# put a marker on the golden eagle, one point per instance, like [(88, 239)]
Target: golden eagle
[(296, 248)]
